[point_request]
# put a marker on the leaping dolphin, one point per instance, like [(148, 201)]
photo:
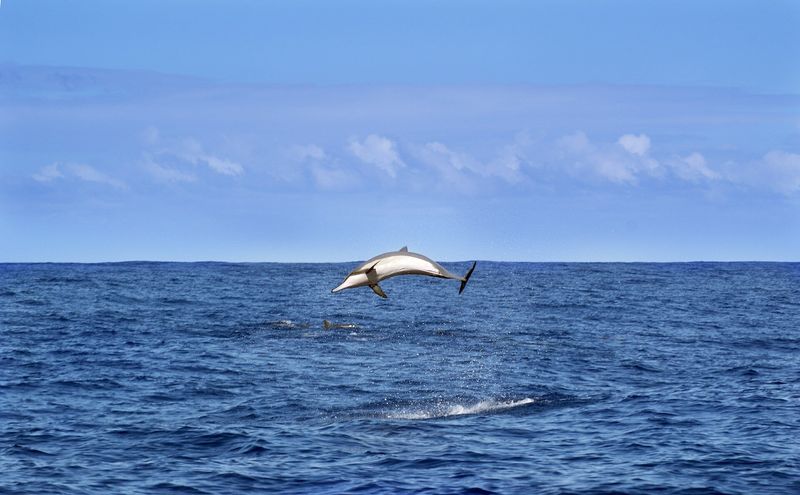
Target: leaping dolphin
[(395, 263)]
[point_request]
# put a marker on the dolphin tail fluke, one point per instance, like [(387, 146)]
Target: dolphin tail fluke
[(466, 277)]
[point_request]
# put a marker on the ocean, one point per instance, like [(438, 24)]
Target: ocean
[(540, 378)]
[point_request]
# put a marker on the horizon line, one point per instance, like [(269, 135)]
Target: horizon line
[(199, 261)]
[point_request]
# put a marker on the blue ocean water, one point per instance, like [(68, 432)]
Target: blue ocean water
[(539, 378)]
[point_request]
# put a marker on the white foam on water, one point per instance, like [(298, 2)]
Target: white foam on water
[(444, 411)]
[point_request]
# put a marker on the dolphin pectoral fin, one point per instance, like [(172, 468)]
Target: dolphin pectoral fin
[(403, 249), (372, 275), (466, 277), (377, 290)]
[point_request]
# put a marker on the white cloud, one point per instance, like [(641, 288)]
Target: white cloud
[(445, 159), (575, 143), (191, 151), (48, 173), (635, 145), (454, 168), (631, 161), (508, 163), (90, 174), (310, 152), (623, 162), (462, 170), (604, 162), (614, 168), (693, 168), (782, 170), (638, 147), (166, 174), (378, 151), (324, 169), (221, 165), (333, 178), (79, 171), (777, 171)]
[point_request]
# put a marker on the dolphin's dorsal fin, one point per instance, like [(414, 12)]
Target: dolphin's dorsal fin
[(403, 249), (377, 290)]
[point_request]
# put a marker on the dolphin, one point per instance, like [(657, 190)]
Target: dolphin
[(327, 325), (395, 263)]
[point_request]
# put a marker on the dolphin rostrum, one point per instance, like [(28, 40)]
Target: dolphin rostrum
[(395, 263)]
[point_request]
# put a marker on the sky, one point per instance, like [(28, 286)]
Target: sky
[(332, 131)]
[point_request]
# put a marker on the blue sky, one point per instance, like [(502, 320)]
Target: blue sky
[(322, 131)]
